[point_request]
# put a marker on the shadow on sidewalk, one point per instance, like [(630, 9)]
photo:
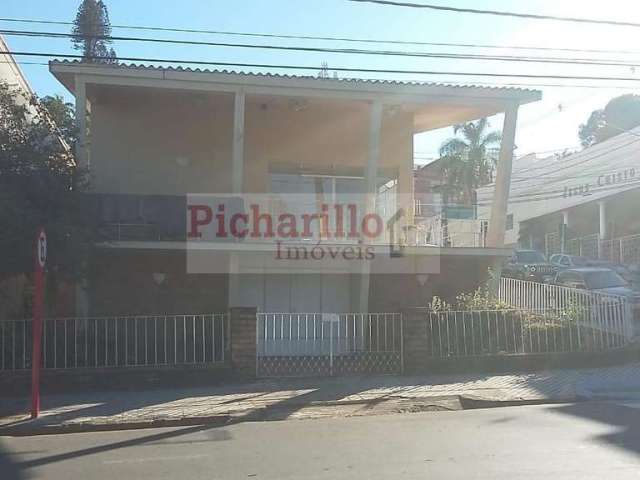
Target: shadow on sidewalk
[(300, 393), (310, 391), (10, 468), (627, 420)]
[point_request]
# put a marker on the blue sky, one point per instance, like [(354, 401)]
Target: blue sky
[(548, 125)]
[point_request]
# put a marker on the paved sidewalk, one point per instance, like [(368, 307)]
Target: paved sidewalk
[(308, 398)]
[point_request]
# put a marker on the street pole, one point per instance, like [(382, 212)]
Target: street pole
[(38, 296)]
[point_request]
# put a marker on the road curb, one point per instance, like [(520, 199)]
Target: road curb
[(472, 402), (467, 402), (27, 430)]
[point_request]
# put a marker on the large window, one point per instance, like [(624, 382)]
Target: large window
[(306, 193)]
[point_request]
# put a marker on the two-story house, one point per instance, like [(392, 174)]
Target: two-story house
[(183, 162)]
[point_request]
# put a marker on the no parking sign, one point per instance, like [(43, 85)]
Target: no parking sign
[(38, 295), (41, 249)]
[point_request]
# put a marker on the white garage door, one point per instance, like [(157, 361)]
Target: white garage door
[(297, 293)]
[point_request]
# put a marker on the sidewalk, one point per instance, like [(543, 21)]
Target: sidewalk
[(281, 399)]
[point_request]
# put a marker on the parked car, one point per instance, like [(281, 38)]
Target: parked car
[(629, 273), (601, 280), (562, 261), (597, 279), (529, 265)]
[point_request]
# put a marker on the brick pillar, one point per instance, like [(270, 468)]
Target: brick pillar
[(243, 339), (414, 329)]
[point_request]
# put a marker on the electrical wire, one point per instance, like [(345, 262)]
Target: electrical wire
[(332, 38), (501, 13), (351, 51)]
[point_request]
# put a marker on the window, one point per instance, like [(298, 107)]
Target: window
[(529, 256), (509, 224), (566, 278), (305, 194), (604, 279), (579, 261)]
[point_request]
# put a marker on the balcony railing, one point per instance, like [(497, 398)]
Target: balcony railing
[(162, 218), (125, 217), (452, 211)]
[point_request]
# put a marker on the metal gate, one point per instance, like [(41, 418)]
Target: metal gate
[(309, 344)]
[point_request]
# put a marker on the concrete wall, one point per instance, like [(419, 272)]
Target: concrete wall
[(137, 142), (138, 138), (458, 274), (121, 283)]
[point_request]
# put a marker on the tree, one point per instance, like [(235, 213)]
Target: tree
[(91, 32), (468, 159), (619, 115), (40, 186), (63, 116)]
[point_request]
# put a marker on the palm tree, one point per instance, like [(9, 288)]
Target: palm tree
[(468, 159)]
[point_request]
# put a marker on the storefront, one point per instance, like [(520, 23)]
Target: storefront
[(555, 200)]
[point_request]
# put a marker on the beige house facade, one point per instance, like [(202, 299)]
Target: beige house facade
[(155, 138)]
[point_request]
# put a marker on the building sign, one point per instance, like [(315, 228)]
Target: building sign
[(604, 180)]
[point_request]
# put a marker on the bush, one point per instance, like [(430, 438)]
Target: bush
[(480, 299)]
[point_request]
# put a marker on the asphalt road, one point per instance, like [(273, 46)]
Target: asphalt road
[(588, 440)]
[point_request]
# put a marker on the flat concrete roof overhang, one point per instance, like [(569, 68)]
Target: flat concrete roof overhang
[(213, 257), (426, 250), (434, 105)]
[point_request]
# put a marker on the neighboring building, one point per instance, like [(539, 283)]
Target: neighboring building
[(10, 71), (15, 289), (442, 214), (431, 194), (161, 138), (12, 75), (591, 195)]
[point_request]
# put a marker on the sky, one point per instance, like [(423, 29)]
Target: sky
[(544, 127)]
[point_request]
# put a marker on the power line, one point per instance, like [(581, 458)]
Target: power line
[(45, 64), (334, 38), (530, 16), (550, 85), (353, 51), (547, 176), (560, 194), (448, 82), (337, 69), (582, 161)]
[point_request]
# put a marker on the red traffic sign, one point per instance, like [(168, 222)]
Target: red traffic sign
[(38, 298), (41, 249)]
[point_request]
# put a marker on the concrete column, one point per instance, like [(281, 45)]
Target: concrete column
[(602, 215), (82, 153), (405, 199), (497, 222), (237, 184), (234, 280), (498, 218), (564, 231), (373, 155), (237, 175), (370, 180)]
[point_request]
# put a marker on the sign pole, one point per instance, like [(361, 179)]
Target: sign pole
[(38, 297)]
